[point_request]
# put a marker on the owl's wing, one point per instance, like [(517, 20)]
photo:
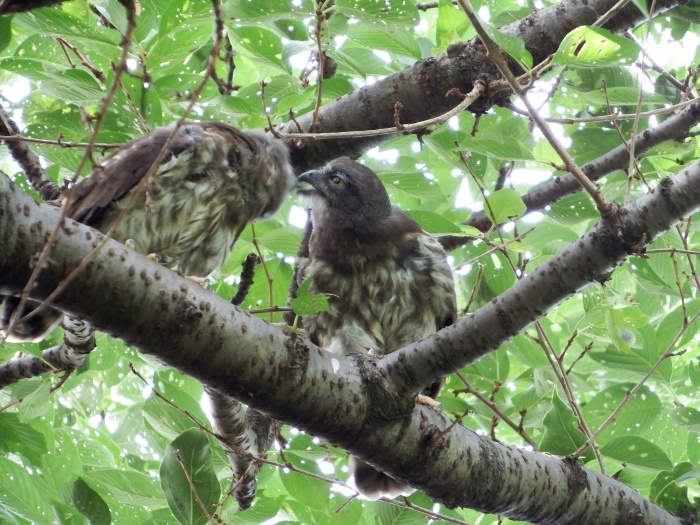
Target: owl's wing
[(124, 169)]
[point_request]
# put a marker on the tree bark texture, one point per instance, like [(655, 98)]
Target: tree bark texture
[(362, 405), (422, 88)]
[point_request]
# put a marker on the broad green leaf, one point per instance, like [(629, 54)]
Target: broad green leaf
[(282, 240), (433, 223), (637, 452), (637, 416), (308, 491), (180, 481), (258, 43), (514, 46), (415, 184), (90, 504), (669, 492), (399, 42), (21, 437), (5, 32), (504, 205), (19, 494), (688, 417), (590, 47), (265, 11), (561, 433), (622, 96), (134, 488), (310, 304), (451, 24), (56, 22), (387, 15), (393, 515)]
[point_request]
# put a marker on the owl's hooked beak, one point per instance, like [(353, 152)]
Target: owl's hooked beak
[(313, 178)]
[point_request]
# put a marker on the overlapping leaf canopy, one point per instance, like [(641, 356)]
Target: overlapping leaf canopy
[(98, 444)]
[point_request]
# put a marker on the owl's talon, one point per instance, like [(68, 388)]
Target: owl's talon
[(155, 257), (429, 402), (201, 281), (130, 243)]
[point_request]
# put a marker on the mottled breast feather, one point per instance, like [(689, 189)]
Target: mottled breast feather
[(212, 181), (389, 282)]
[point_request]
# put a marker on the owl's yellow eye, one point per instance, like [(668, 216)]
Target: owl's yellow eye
[(338, 180)]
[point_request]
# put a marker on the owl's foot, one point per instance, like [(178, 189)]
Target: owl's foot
[(429, 402), (201, 281), (155, 257), (130, 243)]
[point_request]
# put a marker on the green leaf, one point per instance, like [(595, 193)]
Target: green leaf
[(433, 223), (688, 417), (5, 32), (21, 437), (90, 504), (451, 24), (637, 452), (133, 488), (258, 43), (306, 490), (667, 492), (265, 11), (195, 454), (35, 394), (636, 418), (561, 433), (515, 47), (504, 205), (284, 240), (414, 184), (305, 304), (393, 515), (386, 15), (590, 47), (310, 304), (399, 42), (19, 494)]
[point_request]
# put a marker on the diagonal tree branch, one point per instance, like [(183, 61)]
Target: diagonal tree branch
[(419, 88), (347, 400)]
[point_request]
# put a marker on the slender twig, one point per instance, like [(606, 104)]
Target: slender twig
[(262, 262), (318, 33), (497, 411), (99, 75), (59, 142), (606, 208), (479, 89), (668, 353), (558, 369), (192, 487)]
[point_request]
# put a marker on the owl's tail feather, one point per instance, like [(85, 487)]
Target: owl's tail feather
[(34, 328), (373, 484)]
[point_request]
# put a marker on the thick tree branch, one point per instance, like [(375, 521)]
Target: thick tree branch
[(676, 127), (585, 261), (420, 87), (345, 399)]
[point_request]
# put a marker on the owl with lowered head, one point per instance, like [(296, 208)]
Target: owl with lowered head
[(389, 282), (212, 180)]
